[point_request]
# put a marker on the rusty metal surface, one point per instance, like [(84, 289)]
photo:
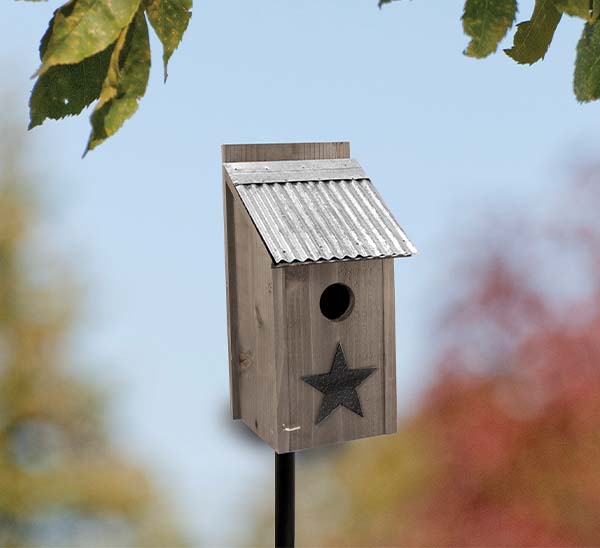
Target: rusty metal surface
[(324, 221)]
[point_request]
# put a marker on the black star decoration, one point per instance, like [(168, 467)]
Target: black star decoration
[(339, 386)]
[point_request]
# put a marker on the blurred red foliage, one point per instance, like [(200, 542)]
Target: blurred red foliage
[(515, 413), (505, 449)]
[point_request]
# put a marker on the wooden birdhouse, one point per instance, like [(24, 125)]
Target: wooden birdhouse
[(310, 290)]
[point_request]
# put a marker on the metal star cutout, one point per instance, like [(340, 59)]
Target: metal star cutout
[(339, 386)]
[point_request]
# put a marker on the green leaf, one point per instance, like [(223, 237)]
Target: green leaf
[(110, 85), (575, 8), (125, 83), (65, 90), (487, 22), (587, 66), (533, 37), (63, 11), (169, 19), (83, 28)]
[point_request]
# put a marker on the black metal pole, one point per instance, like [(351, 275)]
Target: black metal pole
[(285, 505)]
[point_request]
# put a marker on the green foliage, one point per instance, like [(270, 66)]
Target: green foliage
[(125, 82), (81, 63), (65, 90), (587, 68), (169, 19), (99, 50), (487, 24), (82, 28), (575, 8), (533, 37)]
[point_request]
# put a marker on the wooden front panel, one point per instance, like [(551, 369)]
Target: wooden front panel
[(309, 345)]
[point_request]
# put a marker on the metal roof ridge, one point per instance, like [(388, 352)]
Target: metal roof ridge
[(287, 171)]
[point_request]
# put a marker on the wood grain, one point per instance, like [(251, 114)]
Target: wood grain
[(231, 292), (285, 151), (277, 333), (389, 347), (310, 343)]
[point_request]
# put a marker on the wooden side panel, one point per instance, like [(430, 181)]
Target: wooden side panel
[(255, 360), (310, 344)]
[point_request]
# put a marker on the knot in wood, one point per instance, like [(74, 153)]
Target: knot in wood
[(246, 360)]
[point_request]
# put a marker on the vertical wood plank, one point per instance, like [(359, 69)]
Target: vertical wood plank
[(264, 420), (245, 361), (389, 346), (281, 388), (326, 335), (361, 335), (231, 292), (255, 331), (298, 348)]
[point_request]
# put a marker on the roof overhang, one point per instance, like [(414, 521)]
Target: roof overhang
[(313, 211)]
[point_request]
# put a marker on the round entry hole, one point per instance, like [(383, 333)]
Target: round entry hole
[(337, 302)]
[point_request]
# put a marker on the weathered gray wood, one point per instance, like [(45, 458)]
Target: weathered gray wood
[(325, 334), (364, 343), (250, 285), (389, 347), (278, 334), (310, 343), (255, 362), (285, 151), (231, 291), (258, 379), (297, 359), (244, 361), (282, 384)]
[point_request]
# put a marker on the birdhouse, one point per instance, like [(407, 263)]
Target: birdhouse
[(310, 290)]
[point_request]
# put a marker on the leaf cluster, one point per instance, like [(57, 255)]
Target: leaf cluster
[(487, 22), (99, 51)]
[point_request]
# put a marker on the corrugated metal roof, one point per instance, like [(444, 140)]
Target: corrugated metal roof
[(244, 173), (324, 221)]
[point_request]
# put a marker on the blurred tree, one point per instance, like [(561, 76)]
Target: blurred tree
[(60, 481), (505, 446)]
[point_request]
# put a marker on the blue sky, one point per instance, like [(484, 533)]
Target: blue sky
[(443, 137)]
